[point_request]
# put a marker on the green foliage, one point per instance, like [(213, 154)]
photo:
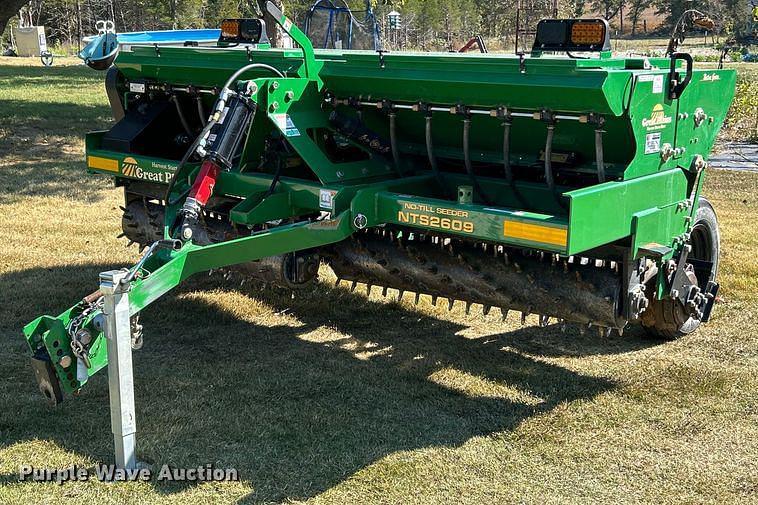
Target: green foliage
[(426, 24), (743, 116)]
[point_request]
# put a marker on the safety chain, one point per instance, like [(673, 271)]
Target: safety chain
[(74, 327)]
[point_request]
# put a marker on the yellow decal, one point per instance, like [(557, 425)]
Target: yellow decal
[(129, 167), (99, 163), (441, 223), (657, 120), (535, 233), (430, 216)]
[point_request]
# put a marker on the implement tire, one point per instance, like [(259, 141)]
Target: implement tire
[(667, 319)]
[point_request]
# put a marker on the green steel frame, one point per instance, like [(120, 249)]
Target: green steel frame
[(646, 205)]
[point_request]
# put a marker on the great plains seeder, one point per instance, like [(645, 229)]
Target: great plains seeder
[(553, 183)]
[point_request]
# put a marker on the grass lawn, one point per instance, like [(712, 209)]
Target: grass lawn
[(334, 397)]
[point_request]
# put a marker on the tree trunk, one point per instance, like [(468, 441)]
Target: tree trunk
[(78, 26), (172, 6), (8, 9)]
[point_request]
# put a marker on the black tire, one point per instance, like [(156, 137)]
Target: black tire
[(667, 319)]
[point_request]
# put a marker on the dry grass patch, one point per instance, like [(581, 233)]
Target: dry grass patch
[(335, 397)]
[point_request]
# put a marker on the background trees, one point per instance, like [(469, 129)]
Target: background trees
[(426, 24)]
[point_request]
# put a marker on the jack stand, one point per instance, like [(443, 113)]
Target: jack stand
[(120, 374)]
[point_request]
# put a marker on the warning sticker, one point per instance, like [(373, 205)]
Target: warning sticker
[(658, 84), (653, 143), (326, 199), (285, 124), (657, 81)]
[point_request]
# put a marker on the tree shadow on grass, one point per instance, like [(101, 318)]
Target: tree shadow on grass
[(27, 123), (296, 404), (62, 177), (66, 75), (40, 150)]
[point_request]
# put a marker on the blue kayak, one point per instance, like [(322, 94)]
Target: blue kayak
[(102, 49)]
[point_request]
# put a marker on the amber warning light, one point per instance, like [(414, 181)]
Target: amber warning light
[(566, 35), (243, 31)]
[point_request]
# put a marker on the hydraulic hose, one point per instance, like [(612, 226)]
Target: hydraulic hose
[(210, 125), (183, 162), (251, 66), (599, 155), (507, 152), (507, 161), (467, 161), (549, 179), (432, 157), (549, 158), (201, 111), (180, 112), (393, 143)]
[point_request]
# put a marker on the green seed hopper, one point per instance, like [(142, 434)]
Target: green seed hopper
[(552, 184)]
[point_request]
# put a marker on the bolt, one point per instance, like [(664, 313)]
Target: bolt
[(274, 85), (700, 116), (84, 336), (289, 96), (360, 221), (65, 361)]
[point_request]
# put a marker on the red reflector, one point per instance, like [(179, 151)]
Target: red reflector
[(202, 189)]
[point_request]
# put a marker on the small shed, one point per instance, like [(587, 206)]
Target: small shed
[(30, 41)]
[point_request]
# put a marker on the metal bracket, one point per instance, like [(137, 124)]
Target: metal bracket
[(696, 301), (120, 373), (521, 62), (382, 64)]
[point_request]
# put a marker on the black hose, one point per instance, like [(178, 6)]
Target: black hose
[(548, 158), (599, 155), (277, 176), (467, 161), (507, 161), (183, 162), (432, 157), (182, 119), (201, 110), (393, 143), (549, 164), (507, 152), (211, 123)]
